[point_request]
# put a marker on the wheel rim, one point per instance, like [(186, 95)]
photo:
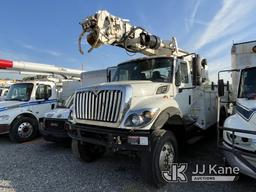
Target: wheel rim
[(25, 130), (166, 157)]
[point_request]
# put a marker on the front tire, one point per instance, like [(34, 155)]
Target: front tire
[(164, 152), (87, 152), (23, 129)]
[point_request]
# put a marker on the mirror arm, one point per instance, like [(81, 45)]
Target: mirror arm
[(181, 89)]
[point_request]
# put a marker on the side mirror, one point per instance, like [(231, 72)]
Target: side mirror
[(212, 86), (227, 86), (220, 87), (196, 70), (108, 76), (204, 63), (178, 77), (111, 73)]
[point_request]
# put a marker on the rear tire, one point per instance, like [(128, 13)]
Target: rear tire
[(164, 152), (23, 129), (87, 152)]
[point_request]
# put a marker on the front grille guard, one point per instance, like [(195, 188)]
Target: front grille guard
[(125, 104), (239, 153), (105, 106)]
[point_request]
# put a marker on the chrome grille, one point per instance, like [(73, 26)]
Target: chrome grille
[(102, 106)]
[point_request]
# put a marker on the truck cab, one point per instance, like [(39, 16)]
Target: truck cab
[(239, 132), (23, 106), (237, 136), (150, 108), (150, 99)]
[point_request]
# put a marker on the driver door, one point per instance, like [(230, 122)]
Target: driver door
[(43, 102), (183, 84)]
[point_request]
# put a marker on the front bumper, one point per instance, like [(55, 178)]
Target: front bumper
[(246, 162), (54, 133), (236, 157), (113, 138), (4, 128)]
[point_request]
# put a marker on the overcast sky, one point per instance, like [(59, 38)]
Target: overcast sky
[(47, 31)]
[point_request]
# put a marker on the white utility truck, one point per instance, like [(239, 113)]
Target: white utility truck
[(238, 134), (150, 106), (26, 102), (54, 124)]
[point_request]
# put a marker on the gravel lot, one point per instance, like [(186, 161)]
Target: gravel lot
[(43, 166)]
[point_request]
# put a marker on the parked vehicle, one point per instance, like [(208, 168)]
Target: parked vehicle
[(237, 137), (152, 105), (54, 124), (27, 102)]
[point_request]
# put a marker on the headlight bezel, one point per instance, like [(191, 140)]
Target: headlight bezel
[(49, 115), (240, 142), (145, 115), (162, 89)]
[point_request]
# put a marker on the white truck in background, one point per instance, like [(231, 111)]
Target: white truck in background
[(237, 136), (152, 105), (27, 102)]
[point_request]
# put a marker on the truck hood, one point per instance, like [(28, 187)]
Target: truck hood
[(249, 104), (139, 88), (59, 113), (247, 109), (4, 105)]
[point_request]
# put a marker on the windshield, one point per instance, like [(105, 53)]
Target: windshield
[(153, 69), (247, 88), (20, 92), (69, 102)]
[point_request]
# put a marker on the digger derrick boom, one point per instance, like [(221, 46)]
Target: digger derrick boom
[(104, 28)]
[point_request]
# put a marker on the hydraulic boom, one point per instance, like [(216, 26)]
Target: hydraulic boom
[(104, 28)]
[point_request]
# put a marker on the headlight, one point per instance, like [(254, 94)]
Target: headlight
[(162, 89), (49, 115), (141, 117), (59, 116), (137, 120), (4, 117), (241, 141)]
